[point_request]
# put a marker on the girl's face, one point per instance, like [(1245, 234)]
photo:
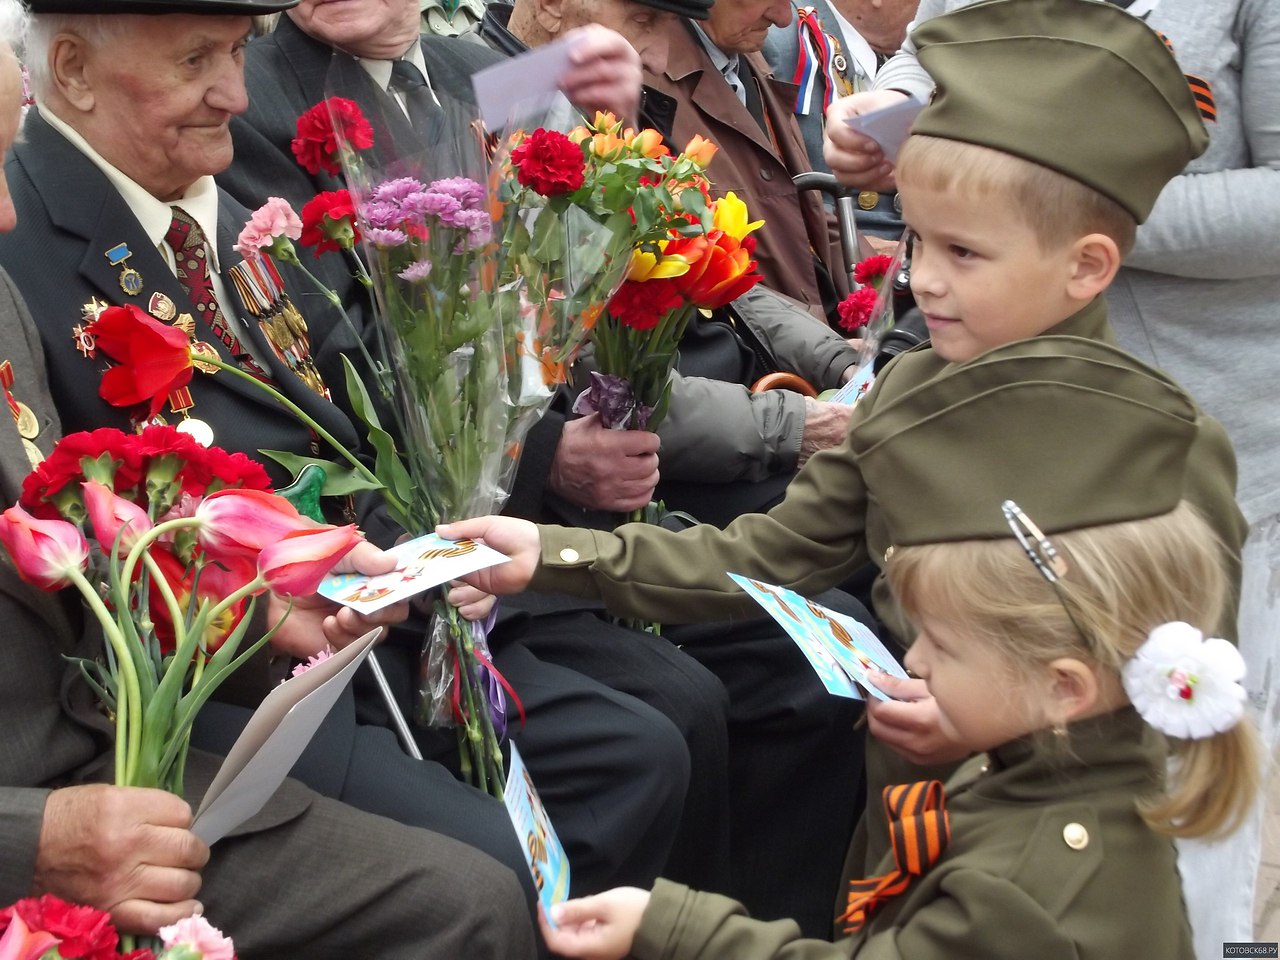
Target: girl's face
[(983, 700)]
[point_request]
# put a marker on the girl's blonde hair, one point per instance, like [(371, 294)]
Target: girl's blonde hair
[(1059, 209), (1122, 580)]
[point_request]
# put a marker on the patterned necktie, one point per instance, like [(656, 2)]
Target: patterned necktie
[(920, 829), (191, 261), (405, 76)]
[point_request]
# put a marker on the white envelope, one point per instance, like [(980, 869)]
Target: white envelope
[(274, 738), (526, 80), (889, 126)]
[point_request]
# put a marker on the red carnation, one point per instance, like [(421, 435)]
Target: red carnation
[(324, 129), (549, 162), (329, 222), (641, 304), (63, 470), (872, 269), (152, 358), (83, 931), (855, 309)]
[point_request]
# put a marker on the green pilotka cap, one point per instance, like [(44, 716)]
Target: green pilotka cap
[(1078, 86), (1078, 432)]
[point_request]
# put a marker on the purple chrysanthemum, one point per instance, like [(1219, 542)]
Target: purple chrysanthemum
[(385, 238), (394, 191), (415, 272), (466, 191), (380, 214)]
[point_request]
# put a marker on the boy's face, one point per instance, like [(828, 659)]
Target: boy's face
[(982, 701), (979, 274)]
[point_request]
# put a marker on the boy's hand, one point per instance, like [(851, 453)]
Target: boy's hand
[(315, 622), (126, 850), (855, 159), (910, 725), (472, 603), (602, 927), (518, 539)]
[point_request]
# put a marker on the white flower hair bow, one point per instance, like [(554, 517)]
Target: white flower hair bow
[(1184, 684)]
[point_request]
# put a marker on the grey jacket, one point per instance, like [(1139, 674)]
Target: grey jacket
[(1200, 293)]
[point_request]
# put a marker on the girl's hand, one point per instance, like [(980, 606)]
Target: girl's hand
[(602, 927), (911, 724)]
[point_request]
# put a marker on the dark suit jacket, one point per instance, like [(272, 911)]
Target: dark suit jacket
[(691, 97), (63, 233)]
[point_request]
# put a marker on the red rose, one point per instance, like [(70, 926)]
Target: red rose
[(83, 931), (63, 470), (855, 310), (872, 269), (549, 162), (322, 131), (641, 304), (152, 358), (329, 222)]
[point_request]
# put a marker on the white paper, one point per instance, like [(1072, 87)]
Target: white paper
[(543, 852), (521, 81), (889, 126), (274, 738)]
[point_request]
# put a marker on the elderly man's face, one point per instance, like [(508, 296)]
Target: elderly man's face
[(10, 117), (163, 95), (740, 26), (644, 27), (376, 29)]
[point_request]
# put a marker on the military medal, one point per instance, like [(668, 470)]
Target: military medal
[(261, 290), (130, 279), (25, 418), (180, 401)]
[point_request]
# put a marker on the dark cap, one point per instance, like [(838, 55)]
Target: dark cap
[(225, 7), (1078, 86), (693, 9), (1078, 432)]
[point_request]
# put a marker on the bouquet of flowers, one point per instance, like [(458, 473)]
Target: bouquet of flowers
[(572, 208), (47, 928), (191, 537)]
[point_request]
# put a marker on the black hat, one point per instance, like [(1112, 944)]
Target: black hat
[(225, 7), (693, 9)]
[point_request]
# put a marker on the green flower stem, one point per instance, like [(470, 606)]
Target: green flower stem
[(128, 701), (324, 434), (176, 613)]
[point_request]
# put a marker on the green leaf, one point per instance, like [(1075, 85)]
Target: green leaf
[(340, 478)]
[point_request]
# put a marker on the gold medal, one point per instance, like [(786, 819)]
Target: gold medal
[(130, 279), (28, 425), (201, 349), (162, 308), (867, 199), (197, 430)]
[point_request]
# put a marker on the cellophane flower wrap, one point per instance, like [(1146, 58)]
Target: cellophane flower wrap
[(573, 202), (189, 538), (426, 220), (48, 928)]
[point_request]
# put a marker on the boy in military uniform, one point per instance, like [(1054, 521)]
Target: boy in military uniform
[(1053, 127)]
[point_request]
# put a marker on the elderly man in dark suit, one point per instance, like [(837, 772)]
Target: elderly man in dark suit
[(134, 112), (340, 880)]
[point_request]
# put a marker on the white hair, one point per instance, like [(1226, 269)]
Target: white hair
[(95, 29), (13, 24)]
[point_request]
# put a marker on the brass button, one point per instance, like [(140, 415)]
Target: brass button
[(569, 555), (1075, 836), (867, 199)]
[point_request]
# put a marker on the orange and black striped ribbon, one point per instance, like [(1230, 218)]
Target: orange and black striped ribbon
[(919, 829), (1200, 89)]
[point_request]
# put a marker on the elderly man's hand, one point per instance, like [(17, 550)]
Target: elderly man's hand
[(857, 160), (599, 469), (604, 72), (126, 850), (316, 622), (825, 425)]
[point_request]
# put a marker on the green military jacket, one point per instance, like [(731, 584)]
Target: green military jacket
[(828, 526), (1048, 859)]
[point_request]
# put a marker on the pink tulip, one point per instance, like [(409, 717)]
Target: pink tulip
[(113, 516), (239, 523), (44, 551), (296, 565), (20, 943)]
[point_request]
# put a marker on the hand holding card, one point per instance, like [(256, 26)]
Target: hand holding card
[(889, 126)]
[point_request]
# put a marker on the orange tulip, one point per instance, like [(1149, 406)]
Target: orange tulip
[(700, 150)]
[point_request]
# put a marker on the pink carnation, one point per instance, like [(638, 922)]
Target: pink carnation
[(272, 220), (197, 933)]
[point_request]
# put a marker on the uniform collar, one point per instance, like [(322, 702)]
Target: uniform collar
[(495, 30)]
